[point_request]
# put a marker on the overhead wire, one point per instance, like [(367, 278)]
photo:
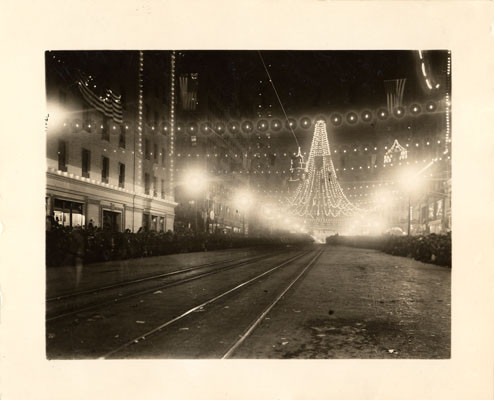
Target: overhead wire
[(279, 100)]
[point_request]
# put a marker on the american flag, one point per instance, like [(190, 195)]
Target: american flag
[(110, 104), (188, 91), (394, 93)]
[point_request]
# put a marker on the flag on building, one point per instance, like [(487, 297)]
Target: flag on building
[(110, 104), (394, 93), (188, 91)]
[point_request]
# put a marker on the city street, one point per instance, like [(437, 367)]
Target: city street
[(315, 301), (198, 204)]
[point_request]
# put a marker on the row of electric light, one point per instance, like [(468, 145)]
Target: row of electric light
[(172, 115), (140, 108), (262, 125), (305, 122), (262, 172), (424, 73), (356, 168), (104, 184), (448, 103), (266, 155)]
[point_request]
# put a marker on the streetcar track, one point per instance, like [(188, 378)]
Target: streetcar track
[(150, 290), (200, 306), (139, 280), (256, 323)]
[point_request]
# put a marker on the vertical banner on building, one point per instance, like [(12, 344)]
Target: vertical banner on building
[(395, 88), (189, 84)]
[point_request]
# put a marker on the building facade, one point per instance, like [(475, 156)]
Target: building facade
[(106, 168)]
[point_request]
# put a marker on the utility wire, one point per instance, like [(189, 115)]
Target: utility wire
[(278, 97)]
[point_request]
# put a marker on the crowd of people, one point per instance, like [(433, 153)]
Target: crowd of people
[(431, 248), (72, 246)]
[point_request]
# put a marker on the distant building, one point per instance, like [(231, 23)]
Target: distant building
[(107, 142)]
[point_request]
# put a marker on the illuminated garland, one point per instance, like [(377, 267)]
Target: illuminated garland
[(320, 197), (284, 171), (139, 118), (428, 79), (172, 118), (395, 148), (448, 106)]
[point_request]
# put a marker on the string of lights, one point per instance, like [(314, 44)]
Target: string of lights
[(320, 196), (448, 105), (139, 117), (353, 168), (395, 148), (427, 77), (234, 128), (172, 117)]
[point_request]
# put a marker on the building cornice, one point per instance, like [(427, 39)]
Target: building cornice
[(57, 174)]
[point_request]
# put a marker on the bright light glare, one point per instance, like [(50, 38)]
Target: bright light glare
[(383, 197), (244, 199), (56, 115), (410, 181), (195, 181)]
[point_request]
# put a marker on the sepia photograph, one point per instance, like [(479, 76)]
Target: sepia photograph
[(239, 200), (248, 204)]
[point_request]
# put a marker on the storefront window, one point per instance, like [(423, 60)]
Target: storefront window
[(439, 211), (431, 210), (68, 213)]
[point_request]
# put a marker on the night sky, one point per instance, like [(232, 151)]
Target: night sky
[(308, 82), (317, 81)]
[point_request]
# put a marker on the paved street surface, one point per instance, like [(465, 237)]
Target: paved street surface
[(349, 303)]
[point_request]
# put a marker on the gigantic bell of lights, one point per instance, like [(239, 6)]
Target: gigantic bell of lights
[(319, 199)]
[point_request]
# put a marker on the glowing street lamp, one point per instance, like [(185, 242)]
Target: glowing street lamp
[(244, 199), (410, 182), (195, 182)]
